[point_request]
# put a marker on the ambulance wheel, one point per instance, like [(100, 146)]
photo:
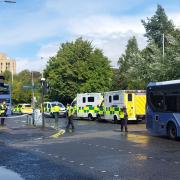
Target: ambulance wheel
[(90, 117), (115, 120), (172, 131)]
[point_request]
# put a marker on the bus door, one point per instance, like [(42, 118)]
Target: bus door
[(129, 98)]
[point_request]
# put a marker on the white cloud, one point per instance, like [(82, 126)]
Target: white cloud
[(104, 25), (48, 50), (109, 33), (27, 63)]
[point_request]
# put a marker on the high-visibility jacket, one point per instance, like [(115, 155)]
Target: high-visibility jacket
[(55, 109), (121, 114), (71, 111), (3, 109)]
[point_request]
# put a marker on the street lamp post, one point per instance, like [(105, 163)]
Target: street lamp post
[(8, 1), (42, 100)]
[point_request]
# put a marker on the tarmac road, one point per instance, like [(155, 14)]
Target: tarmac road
[(93, 151)]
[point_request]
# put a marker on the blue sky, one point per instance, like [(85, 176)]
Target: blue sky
[(31, 29)]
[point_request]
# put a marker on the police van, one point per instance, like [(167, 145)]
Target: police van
[(87, 105), (133, 100), (48, 106)]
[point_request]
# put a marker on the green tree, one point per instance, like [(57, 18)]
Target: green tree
[(77, 68), (158, 25), (127, 64)]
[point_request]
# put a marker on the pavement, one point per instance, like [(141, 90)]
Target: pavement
[(94, 151)]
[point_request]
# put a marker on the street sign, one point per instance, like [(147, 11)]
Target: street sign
[(31, 87)]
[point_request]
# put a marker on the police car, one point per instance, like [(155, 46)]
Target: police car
[(48, 108)]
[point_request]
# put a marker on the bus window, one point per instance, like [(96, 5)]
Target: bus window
[(172, 103), (157, 102), (110, 99)]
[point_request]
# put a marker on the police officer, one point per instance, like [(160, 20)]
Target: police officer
[(3, 110), (70, 116), (55, 110), (124, 118)]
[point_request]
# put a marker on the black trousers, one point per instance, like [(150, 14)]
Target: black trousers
[(2, 121), (123, 124), (70, 122)]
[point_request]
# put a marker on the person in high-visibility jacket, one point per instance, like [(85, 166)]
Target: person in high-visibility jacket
[(71, 111), (3, 111), (55, 111), (124, 119)]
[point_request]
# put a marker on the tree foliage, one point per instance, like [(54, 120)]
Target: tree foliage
[(137, 68), (77, 68)]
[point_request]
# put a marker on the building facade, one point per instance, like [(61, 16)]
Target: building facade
[(7, 64)]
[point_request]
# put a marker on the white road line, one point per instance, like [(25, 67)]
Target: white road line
[(81, 164), (91, 167), (176, 162), (112, 148), (103, 171), (116, 175), (130, 152), (97, 145), (56, 156), (49, 154), (150, 157), (71, 161)]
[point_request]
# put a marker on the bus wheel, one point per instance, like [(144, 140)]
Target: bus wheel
[(172, 131), (90, 117)]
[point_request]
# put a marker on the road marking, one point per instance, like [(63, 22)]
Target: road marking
[(104, 146), (130, 152), (56, 156), (63, 159), (50, 154), (103, 171), (176, 162), (81, 164), (116, 175), (97, 145), (112, 148), (71, 161), (61, 132), (163, 160), (150, 157), (91, 167), (89, 144), (119, 150)]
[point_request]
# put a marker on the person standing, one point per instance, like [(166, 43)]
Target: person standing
[(3, 110), (55, 110), (70, 117), (124, 119)]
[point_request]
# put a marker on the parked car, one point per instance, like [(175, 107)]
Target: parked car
[(49, 105), (22, 109)]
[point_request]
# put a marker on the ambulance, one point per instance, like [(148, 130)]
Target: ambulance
[(133, 100), (87, 105)]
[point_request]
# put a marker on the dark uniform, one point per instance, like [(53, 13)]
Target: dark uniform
[(124, 119)]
